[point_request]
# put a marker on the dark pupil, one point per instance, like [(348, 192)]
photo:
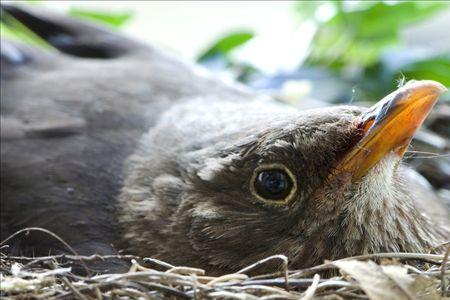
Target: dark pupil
[(273, 184)]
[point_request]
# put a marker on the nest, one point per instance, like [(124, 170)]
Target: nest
[(374, 276)]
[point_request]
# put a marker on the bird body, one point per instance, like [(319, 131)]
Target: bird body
[(119, 146)]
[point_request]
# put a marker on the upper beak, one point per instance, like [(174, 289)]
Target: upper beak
[(390, 125)]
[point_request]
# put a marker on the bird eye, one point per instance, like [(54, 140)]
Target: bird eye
[(273, 184)]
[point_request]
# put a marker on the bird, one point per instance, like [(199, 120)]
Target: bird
[(118, 147)]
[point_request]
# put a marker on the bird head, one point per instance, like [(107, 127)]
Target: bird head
[(241, 183)]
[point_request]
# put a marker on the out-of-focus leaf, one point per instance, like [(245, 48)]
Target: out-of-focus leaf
[(358, 37), (13, 29), (224, 45), (34, 2), (383, 18), (307, 9), (115, 19), (389, 281), (435, 69)]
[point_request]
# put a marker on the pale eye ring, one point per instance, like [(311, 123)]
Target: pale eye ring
[(273, 184)]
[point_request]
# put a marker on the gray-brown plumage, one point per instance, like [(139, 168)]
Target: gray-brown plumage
[(114, 145)]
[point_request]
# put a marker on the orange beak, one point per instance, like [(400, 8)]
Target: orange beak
[(390, 125)]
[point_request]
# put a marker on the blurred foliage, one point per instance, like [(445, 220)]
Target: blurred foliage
[(359, 36), (33, 1), (13, 29), (219, 55), (223, 46), (355, 42), (437, 68), (115, 19), (356, 47)]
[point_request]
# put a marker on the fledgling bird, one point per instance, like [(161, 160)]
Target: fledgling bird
[(111, 145)]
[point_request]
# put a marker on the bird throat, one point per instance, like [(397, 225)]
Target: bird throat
[(381, 214)]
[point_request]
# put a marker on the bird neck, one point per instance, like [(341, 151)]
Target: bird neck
[(378, 214), (382, 214)]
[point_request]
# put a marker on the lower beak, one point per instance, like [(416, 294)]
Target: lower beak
[(390, 125)]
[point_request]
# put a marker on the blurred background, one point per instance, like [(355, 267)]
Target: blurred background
[(308, 53), (313, 51)]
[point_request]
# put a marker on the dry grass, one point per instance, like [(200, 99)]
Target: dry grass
[(394, 276)]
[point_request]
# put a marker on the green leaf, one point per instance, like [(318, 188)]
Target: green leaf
[(115, 19), (359, 37), (15, 30), (226, 44), (383, 18), (307, 9), (437, 68), (34, 2)]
